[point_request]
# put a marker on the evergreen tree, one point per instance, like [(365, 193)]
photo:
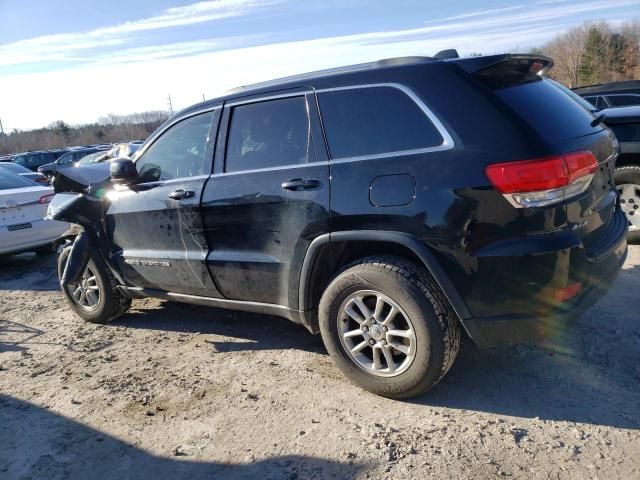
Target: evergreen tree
[(592, 57)]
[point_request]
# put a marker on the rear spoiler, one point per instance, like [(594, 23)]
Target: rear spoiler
[(477, 64), (501, 71)]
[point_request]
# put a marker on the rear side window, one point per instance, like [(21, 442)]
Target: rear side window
[(12, 180), (549, 110), (623, 100), (373, 121), (268, 134)]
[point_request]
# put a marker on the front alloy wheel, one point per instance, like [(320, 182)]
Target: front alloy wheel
[(86, 293)]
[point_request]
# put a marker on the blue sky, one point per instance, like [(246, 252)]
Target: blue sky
[(77, 60)]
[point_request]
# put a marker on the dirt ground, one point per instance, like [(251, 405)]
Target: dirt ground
[(175, 391)]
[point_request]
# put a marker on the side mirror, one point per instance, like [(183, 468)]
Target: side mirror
[(123, 171)]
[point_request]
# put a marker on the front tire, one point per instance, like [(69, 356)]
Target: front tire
[(45, 250), (95, 298), (627, 180), (388, 327)]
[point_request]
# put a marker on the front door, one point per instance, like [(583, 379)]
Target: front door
[(268, 198), (156, 225)]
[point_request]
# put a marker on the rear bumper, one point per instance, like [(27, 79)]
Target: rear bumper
[(517, 299), (39, 234)]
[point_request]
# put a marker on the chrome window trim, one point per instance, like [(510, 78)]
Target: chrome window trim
[(447, 139), (269, 169), (244, 101), (168, 181)]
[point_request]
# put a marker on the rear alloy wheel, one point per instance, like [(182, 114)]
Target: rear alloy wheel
[(627, 180), (376, 333), (388, 327)]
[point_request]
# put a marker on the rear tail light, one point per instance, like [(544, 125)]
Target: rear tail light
[(46, 198), (544, 181)]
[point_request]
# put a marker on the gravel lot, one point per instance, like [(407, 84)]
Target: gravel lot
[(175, 391)]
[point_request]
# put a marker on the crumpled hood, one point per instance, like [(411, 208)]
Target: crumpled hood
[(79, 178)]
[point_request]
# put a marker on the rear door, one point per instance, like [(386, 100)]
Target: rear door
[(268, 198), (156, 225)]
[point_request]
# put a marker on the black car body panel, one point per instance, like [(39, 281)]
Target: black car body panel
[(246, 232)]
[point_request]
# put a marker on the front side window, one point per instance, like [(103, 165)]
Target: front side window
[(374, 120), (272, 133), (179, 152)]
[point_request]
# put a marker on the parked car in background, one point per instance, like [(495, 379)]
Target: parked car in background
[(23, 204), (611, 95), (625, 124), (25, 172), (32, 160), (390, 206), (92, 158), (71, 156)]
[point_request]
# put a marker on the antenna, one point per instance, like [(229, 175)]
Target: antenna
[(170, 104)]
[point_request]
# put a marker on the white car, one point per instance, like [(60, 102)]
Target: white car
[(23, 204)]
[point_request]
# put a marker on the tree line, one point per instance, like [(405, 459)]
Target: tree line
[(59, 134), (594, 53)]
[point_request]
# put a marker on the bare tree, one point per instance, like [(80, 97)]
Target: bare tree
[(567, 50)]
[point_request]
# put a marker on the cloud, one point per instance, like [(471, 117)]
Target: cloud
[(65, 47), (125, 78)]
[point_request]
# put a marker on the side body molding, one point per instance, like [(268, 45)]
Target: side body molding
[(412, 243)]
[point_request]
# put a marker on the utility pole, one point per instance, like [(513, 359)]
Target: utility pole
[(170, 104), (203, 99), (1, 129)]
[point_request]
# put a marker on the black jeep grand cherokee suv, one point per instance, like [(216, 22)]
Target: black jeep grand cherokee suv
[(390, 206)]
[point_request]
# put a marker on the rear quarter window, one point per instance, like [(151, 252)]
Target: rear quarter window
[(549, 110), (374, 120)]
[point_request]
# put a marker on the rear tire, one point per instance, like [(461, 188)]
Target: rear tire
[(103, 302), (416, 347), (626, 178)]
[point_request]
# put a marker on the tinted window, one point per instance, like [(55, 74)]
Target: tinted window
[(11, 180), (374, 120), (623, 100), (548, 109), (267, 134), (179, 152)]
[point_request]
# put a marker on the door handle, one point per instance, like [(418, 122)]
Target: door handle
[(181, 194), (299, 184)]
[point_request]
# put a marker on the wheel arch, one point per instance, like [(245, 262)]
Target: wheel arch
[(328, 253)]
